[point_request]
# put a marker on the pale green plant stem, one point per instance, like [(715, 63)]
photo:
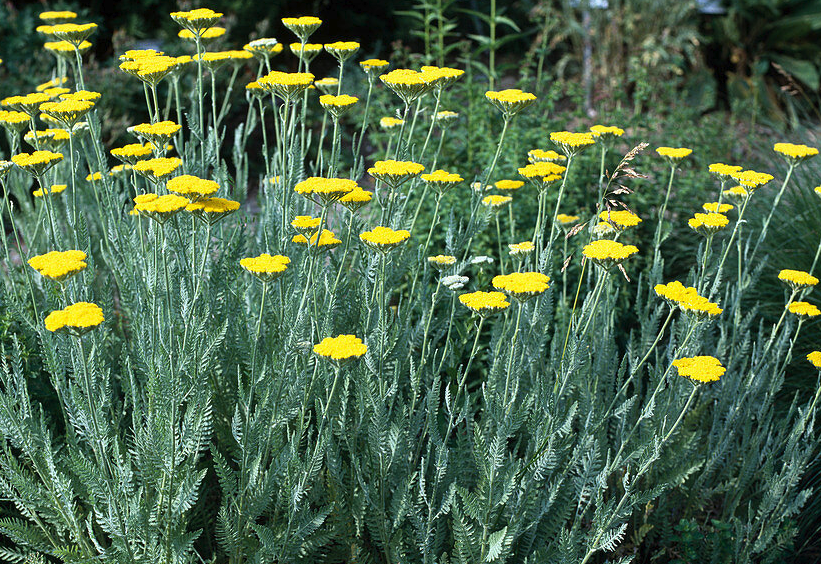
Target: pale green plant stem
[(419, 207), (180, 139), (399, 139), (266, 152), (217, 140), (319, 162), (564, 276), (228, 91), (597, 291), (413, 121), (570, 321), (447, 335), (512, 354), (73, 186), (437, 94), (200, 103), (788, 358), (763, 234), (78, 60), (511, 223), (364, 116), (256, 343), (663, 210), (156, 116), (383, 326), (815, 260), (46, 190), (730, 242), (438, 148), (332, 167), (344, 254), (499, 240), (302, 136), (313, 250), (702, 279), (555, 216)]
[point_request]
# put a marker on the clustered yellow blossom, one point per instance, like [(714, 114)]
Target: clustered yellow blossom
[(803, 309), (341, 348), (14, 122), (700, 368), (737, 194), (319, 242), (75, 319), (342, 50), (196, 21), (132, 152), (708, 223), (542, 174), (797, 279), (211, 210), (373, 66), (509, 185), (485, 303), (445, 118), (192, 187), (390, 122), (337, 105), (395, 173), (208, 35), (715, 207), (723, 171), (687, 299), (302, 26), (49, 139), (815, 358), (159, 208), (73, 33), (441, 180), (327, 85), (570, 142), (566, 220), (67, 112), (286, 85), (495, 202), (442, 262), (406, 83), (511, 101), (158, 134), (356, 199), (620, 219), (59, 265), (305, 224), (264, 48), (795, 153), (520, 249), (542, 156), (151, 70), (607, 253), (326, 190), (266, 267), (606, 133), (674, 155), (64, 49), (55, 189), (751, 179), (159, 168), (384, 239), (522, 285), (441, 77), (54, 17), (29, 104), (38, 162)]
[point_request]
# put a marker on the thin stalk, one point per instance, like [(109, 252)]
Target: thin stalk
[(663, 210)]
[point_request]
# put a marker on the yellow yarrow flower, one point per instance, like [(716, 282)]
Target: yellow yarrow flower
[(384, 239), (337, 105), (192, 187), (264, 48), (341, 349), (495, 202), (325, 190), (509, 185), (14, 122), (302, 26), (522, 285), (737, 194), (159, 208), (442, 262), (76, 319), (65, 50), (542, 156), (700, 368), (73, 33), (520, 249), (196, 21), (797, 279), (441, 77), (206, 36), (132, 152), (54, 189), (390, 122), (815, 358), (707, 224), (803, 309), (158, 169), (38, 162), (55, 17), (723, 171), (59, 265), (67, 112), (286, 85), (265, 267), (572, 143), (395, 173), (606, 133), (620, 219), (29, 104), (511, 101), (751, 179), (211, 210), (485, 303), (158, 134), (715, 207), (542, 174), (445, 118), (674, 155), (342, 50), (795, 153), (327, 241), (372, 67), (356, 199), (441, 181), (606, 253), (406, 83), (306, 225)]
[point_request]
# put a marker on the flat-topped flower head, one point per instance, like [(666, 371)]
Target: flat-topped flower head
[(445, 118), (54, 189), (620, 219), (384, 239), (494, 202), (29, 104), (509, 185), (207, 36), (442, 262), (677, 295), (134, 54), (94, 176), (480, 188), (389, 123), (797, 279), (674, 155), (158, 169), (264, 48), (67, 112), (254, 89), (815, 359), (723, 171), (542, 156), (795, 153), (708, 224), (395, 173), (737, 194), (701, 369), (59, 265), (119, 170), (325, 190), (337, 105), (14, 122), (803, 309), (752, 180), (302, 26), (356, 199), (215, 60), (196, 21), (38, 162), (606, 133), (485, 303), (306, 51), (132, 152), (211, 210), (342, 50), (341, 349), (76, 319), (441, 180), (306, 225), (48, 139), (66, 50), (441, 77), (520, 249), (73, 33), (318, 242), (327, 85), (607, 253), (673, 292), (373, 67), (56, 17), (192, 187), (715, 207), (159, 208), (566, 221), (158, 134), (406, 83), (542, 174), (572, 143), (511, 101), (82, 95), (151, 70), (522, 285), (265, 267), (286, 85)]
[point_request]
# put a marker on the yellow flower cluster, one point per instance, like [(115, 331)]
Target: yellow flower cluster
[(795, 153), (57, 16), (494, 202), (441, 177), (327, 190), (737, 194), (64, 49), (520, 249), (48, 139), (151, 70), (542, 156), (395, 173), (440, 77), (607, 253), (715, 207), (266, 267), (406, 83), (341, 348), (67, 112), (606, 132), (302, 26), (158, 134), (700, 368), (442, 262), (59, 265), (356, 199), (306, 224), (159, 208), (38, 162), (542, 174), (708, 223), (565, 219), (485, 303), (751, 179), (132, 152), (723, 170), (508, 185), (390, 122), (286, 85), (28, 104), (77, 318), (197, 21), (522, 285), (570, 142), (73, 33), (14, 122), (192, 187), (674, 155), (342, 50), (211, 210), (263, 48), (687, 299), (620, 219), (55, 189), (337, 105), (511, 101), (373, 66), (327, 240), (815, 358), (159, 168), (208, 35), (797, 279), (803, 309), (384, 239)]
